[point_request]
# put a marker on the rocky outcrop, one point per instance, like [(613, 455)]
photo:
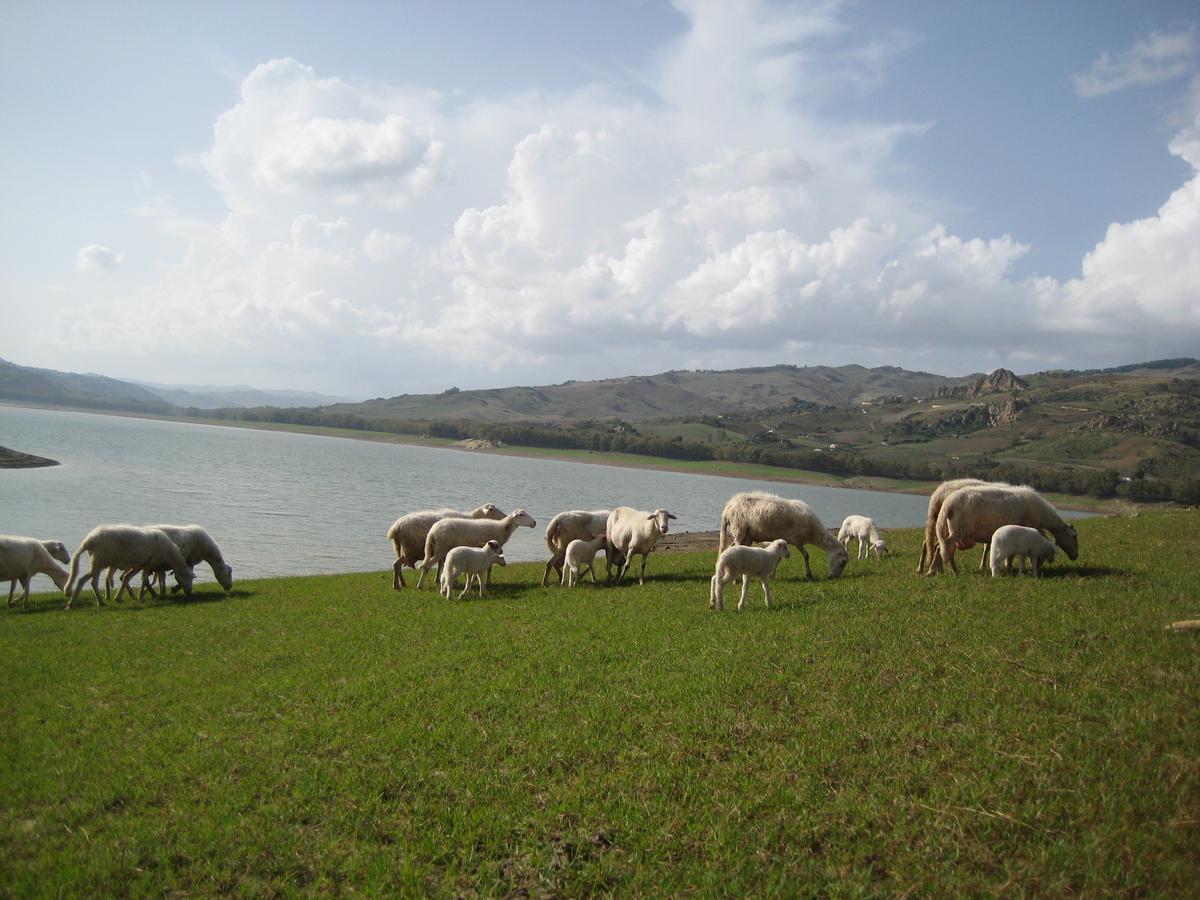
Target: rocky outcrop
[(1001, 381)]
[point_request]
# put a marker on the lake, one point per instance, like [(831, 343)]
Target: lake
[(281, 503)]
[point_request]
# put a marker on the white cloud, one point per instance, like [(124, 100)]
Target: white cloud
[(97, 258), (398, 240), (1154, 59)]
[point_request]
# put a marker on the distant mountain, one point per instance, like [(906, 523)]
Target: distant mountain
[(210, 396), (47, 386), (654, 397)]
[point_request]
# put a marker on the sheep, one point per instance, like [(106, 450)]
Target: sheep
[(447, 534), (760, 516), (197, 546), (929, 549), (746, 561), (575, 524), (408, 534), (21, 558), (130, 548), (632, 531), (580, 557), (471, 562), (971, 515), (1025, 544), (863, 529)]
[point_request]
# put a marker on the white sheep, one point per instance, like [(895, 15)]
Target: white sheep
[(197, 546), (579, 558), (757, 516), (862, 529), (929, 548), (575, 524), (971, 515), (408, 534), (21, 558), (632, 531), (746, 562), (472, 562), (131, 549), (447, 534), (1026, 545)]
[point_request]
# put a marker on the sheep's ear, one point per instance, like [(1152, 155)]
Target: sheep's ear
[(672, 516), (652, 516)]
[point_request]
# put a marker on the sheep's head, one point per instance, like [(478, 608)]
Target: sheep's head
[(523, 518), (1068, 538), (58, 550), (780, 548), (489, 511), (880, 548), (837, 561), (186, 578), (224, 573), (661, 516)]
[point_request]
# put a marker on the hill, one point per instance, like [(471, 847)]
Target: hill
[(211, 396), (53, 388), (641, 398)]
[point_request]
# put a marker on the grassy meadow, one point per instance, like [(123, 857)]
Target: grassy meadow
[(882, 733)]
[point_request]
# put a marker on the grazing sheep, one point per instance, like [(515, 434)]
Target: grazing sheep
[(21, 558), (760, 516), (472, 562), (575, 524), (408, 534), (447, 534), (929, 549), (632, 531), (131, 549), (746, 561), (1027, 545), (972, 515), (197, 546), (580, 557), (862, 529)]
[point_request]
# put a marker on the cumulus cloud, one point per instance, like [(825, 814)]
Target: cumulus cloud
[(97, 258), (1154, 59), (413, 238)]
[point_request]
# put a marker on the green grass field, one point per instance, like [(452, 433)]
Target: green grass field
[(878, 734)]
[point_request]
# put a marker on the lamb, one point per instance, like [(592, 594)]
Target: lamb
[(1025, 544), (632, 531), (21, 558), (580, 557), (197, 546), (131, 549), (863, 529), (971, 515), (929, 549), (471, 562), (447, 534), (759, 516), (746, 561), (575, 524), (408, 534)]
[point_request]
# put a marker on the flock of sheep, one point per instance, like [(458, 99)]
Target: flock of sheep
[(962, 513)]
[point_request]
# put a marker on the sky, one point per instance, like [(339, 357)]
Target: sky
[(369, 199)]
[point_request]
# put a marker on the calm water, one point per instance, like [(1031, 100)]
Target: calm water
[(288, 504)]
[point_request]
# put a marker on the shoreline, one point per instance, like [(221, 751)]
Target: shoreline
[(744, 471), (17, 459)]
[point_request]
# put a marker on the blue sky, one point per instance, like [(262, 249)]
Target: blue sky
[(382, 198)]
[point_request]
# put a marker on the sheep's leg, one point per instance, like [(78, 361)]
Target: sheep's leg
[(96, 587), (479, 582), (642, 576), (127, 584), (924, 556), (808, 575), (12, 586), (1033, 562), (555, 562), (987, 547), (716, 593), (767, 592), (109, 577), (425, 565), (25, 579), (592, 569), (745, 592), (78, 589), (398, 574), (489, 579)]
